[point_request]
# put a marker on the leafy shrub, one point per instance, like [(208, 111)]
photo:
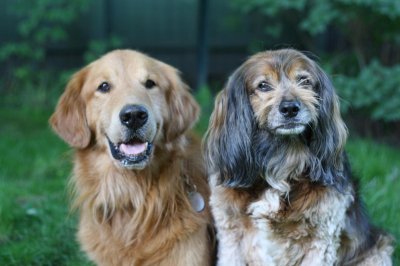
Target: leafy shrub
[(316, 16), (375, 91), (42, 23)]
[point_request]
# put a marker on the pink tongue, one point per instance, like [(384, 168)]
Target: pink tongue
[(133, 149)]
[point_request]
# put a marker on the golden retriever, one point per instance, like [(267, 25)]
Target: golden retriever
[(138, 174), (282, 191)]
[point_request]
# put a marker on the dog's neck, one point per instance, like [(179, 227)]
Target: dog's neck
[(283, 159), (143, 200)]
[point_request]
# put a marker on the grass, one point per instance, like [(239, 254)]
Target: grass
[(36, 227), (378, 168)]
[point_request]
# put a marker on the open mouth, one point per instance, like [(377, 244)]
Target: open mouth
[(290, 129), (134, 152)]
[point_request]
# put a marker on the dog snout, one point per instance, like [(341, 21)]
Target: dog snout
[(289, 109), (133, 116)]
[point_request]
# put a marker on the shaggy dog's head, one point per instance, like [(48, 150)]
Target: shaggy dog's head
[(126, 103), (277, 117)]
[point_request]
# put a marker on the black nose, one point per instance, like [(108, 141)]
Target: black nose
[(133, 116), (289, 109)]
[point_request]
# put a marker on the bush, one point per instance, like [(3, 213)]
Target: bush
[(42, 24), (375, 91)]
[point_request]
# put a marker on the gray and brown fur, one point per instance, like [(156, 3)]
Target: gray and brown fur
[(282, 189)]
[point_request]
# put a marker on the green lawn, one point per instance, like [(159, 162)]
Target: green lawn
[(36, 227)]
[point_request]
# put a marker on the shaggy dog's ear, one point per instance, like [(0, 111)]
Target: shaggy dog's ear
[(69, 118), (183, 109), (228, 141), (330, 133)]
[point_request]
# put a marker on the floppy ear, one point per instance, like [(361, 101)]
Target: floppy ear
[(69, 118), (330, 133), (183, 109), (228, 141)]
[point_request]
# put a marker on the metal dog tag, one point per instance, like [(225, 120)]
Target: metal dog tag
[(197, 201)]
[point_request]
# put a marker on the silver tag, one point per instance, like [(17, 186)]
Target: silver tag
[(197, 201)]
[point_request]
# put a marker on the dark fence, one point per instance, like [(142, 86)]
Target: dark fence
[(167, 30)]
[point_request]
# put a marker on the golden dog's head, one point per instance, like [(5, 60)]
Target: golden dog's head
[(125, 102), (278, 116)]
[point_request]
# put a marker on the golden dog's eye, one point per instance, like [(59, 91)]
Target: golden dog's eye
[(104, 87), (304, 81), (149, 84), (264, 86)]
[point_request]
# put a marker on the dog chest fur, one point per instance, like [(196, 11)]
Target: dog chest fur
[(143, 221), (273, 229)]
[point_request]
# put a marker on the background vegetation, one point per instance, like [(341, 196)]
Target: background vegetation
[(356, 41)]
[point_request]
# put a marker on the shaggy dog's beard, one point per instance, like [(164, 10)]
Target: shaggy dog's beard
[(282, 159)]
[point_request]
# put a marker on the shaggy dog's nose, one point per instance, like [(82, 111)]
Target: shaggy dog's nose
[(133, 116), (289, 109)]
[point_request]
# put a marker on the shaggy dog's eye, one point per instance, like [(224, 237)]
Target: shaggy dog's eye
[(104, 87), (149, 84), (264, 86), (304, 81)]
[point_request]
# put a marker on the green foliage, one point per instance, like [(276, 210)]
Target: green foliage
[(378, 168), (375, 91), (316, 16), (36, 227), (42, 23), (357, 21)]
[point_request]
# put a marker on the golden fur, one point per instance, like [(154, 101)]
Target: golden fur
[(282, 192), (135, 213)]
